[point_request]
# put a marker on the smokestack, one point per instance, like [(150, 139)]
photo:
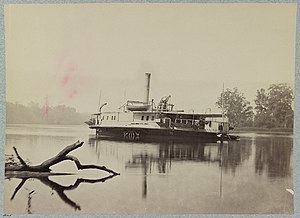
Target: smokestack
[(147, 87)]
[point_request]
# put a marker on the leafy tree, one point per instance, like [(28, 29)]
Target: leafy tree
[(274, 108), (261, 101), (236, 107), (262, 117)]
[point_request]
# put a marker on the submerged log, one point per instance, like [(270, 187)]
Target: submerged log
[(61, 156)]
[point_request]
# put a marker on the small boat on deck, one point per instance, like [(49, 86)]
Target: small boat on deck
[(139, 120)]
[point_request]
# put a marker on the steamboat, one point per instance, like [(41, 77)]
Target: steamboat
[(143, 120)]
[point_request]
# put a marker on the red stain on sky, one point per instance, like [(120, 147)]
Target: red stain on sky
[(72, 93), (70, 80), (69, 70), (66, 79)]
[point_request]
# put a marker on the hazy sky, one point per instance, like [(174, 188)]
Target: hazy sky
[(68, 53)]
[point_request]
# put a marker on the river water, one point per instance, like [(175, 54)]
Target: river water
[(250, 176)]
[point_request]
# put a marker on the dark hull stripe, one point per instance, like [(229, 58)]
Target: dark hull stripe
[(144, 134)]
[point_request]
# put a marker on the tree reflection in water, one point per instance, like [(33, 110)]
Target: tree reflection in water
[(234, 154), (273, 155)]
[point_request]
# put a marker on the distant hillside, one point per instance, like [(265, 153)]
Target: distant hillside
[(34, 114)]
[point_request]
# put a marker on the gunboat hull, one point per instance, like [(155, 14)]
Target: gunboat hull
[(142, 134)]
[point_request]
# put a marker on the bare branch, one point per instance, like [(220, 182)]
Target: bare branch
[(61, 155), (89, 166), (20, 159)]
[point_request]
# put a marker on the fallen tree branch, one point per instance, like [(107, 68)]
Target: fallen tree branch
[(61, 156), (89, 166)]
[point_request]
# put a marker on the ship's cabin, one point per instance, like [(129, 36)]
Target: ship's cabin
[(123, 117), (180, 120), (208, 122)]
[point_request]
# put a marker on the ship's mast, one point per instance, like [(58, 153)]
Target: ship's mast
[(222, 100)]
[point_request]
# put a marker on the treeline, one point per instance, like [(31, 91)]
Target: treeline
[(272, 109), (34, 114)]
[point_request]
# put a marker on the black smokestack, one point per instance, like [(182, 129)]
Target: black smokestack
[(147, 87)]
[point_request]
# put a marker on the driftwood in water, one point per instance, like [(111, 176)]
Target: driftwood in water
[(42, 171), (61, 156)]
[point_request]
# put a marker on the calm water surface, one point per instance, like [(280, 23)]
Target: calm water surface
[(249, 176)]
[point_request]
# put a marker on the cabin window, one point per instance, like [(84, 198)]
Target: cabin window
[(221, 127), (142, 118), (115, 117), (190, 122), (183, 121), (147, 117), (177, 121), (152, 118), (112, 117), (107, 117)]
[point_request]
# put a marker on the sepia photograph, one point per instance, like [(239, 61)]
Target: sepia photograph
[(149, 108)]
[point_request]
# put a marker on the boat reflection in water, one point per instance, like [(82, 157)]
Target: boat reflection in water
[(240, 162), (158, 156)]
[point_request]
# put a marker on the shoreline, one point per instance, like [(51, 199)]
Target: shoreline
[(237, 129), (263, 130)]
